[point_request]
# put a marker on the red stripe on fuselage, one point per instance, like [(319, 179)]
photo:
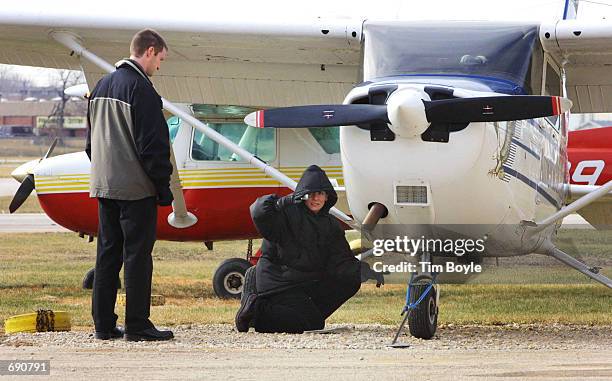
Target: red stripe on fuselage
[(223, 213)]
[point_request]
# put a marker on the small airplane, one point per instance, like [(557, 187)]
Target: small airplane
[(461, 124)]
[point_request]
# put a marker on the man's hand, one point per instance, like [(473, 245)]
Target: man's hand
[(285, 201), (367, 273), (165, 197)]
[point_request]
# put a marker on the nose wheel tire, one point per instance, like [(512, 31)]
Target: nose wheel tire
[(229, 278), (423, 320)]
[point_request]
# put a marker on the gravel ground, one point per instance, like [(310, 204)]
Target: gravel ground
[(351, 352), (361, 336)]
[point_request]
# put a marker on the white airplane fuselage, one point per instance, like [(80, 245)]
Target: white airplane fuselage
[(486, 180)]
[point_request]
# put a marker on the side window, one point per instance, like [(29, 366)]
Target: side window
[(536, 70), (553, 81), (328, 138), (258, 141), (174, 122), (552, 86)]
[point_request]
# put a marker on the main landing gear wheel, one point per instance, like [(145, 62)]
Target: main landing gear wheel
[(89, 278), (423, 320), (229, 278)]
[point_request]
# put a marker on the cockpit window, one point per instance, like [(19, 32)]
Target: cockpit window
[(328, 138), (260, 142)]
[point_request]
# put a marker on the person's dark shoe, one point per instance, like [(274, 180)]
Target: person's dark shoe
[(115, 333), (249, 286), (245, 314), (149, 334)]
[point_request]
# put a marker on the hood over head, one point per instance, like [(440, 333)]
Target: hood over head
[(314, 179)]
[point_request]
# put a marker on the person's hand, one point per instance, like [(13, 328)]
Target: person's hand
[(367, 273), (285, 201), (165, 197)]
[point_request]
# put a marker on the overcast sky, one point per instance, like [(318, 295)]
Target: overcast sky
[(541, 10)]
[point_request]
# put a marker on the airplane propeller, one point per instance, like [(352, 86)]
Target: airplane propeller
[(412, 107), (317, 116), (24, 173)]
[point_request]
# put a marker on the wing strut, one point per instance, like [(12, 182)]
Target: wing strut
[(180, 211), (574, 206), (592, 272)]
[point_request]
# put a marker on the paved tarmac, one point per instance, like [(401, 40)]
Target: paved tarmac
[(8, 187), (29, 223), (358, 352)]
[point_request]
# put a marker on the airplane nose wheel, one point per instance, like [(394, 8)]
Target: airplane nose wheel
[(229, 278), (420, 310), (423, 319)]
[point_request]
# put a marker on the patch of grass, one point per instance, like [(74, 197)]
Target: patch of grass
[(45, 271), (488, 304), (31, 205)]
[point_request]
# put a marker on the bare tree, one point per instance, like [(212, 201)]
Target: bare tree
[(64, 79), (11, 81)]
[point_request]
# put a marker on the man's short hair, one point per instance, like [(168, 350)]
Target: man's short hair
[(144, 39)]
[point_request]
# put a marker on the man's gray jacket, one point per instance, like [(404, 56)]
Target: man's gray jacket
[(127, 141)]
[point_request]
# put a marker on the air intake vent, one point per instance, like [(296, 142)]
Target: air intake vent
[(411, 194)]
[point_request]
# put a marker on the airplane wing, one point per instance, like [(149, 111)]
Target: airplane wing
[(585, 46), (216, 56)]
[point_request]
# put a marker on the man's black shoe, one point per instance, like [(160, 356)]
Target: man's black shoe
[(115, 333), (149, 334)]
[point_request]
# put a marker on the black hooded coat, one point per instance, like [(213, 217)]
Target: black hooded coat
[(300, 246)]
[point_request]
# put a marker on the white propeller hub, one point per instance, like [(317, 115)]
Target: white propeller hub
[(406, 112), (24, 170)]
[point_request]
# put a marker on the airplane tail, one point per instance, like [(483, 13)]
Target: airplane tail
[(591, 139), (590, 155)]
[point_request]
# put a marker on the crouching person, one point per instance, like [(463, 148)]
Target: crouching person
[(307, 270)]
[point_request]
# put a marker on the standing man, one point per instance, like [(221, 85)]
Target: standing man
[(129, 149)]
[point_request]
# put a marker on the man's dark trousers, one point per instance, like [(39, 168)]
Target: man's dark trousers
[(126, 235), (302, 308)]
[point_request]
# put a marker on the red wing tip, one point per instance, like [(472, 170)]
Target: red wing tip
[(255, 119), (561, 105)]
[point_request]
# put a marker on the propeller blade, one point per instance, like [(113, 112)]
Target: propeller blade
[(24, 190), (317, 116), (494, 109), (50, 150)]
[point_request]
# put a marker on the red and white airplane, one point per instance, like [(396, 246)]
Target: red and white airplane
[(461, 123)]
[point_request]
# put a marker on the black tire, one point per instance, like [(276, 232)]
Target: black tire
[(88, 280), (229, 278), (423, 320)]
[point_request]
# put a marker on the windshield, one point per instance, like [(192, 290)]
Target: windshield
[(500, 51)]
